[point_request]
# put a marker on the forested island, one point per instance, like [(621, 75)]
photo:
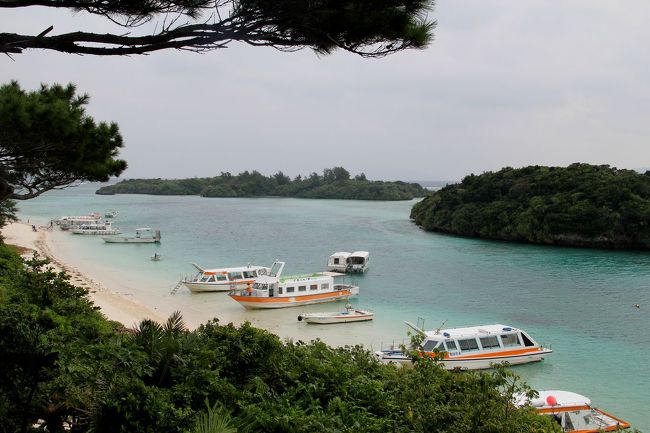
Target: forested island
[(579, 205), (334, 183)]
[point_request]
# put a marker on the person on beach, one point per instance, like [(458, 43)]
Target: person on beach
[(34, 227)]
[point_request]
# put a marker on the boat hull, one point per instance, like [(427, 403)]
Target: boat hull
[(121, 240), (482, 362), (94, 232), (199, 287), (486, 362), (331, 318), (254, 303)]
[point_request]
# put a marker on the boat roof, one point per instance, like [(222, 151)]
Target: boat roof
[(562, 398), (340, 254), (233, 269), (360, 254), (143, 229), (470, 331), (332, 274)]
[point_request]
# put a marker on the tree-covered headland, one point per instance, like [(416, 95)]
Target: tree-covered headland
[(65, 368), (579, 205), (334, 183)]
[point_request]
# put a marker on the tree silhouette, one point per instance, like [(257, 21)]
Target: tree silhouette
[(368, 28), (47, 141)]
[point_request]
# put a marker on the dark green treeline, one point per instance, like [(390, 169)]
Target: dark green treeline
[(334, 183), (579, 205)]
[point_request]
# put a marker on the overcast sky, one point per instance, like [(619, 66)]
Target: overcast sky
[(505, 83)]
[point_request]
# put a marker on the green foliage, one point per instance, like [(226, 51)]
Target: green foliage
[(335, 183), (215, 420), (48, 141), (580, 205), (8, 211)]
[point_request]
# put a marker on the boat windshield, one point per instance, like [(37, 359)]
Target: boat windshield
[(276, 269), (430, 345)]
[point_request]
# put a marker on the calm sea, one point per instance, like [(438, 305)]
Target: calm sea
[(579, 301)]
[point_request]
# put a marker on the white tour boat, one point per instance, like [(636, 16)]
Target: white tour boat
[(97, 228), (71, 222), (274, 291), (574, 412), (142, 236), (343, 261), (478, 347), (338, 262), (350, 314), (226, 279)]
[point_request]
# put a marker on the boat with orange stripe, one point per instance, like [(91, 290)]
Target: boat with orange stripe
[(271, 291), (573, 412), (477, 347)]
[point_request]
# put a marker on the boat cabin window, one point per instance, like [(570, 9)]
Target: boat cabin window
[(291, 289), (430, 345), (489, 342), (568, 423), (279, 290), (221, 277), (325, 286), (250, 274), (313, 287), (302, 288), (527, 341), (234, 276), (336, 261), (510, 340), (451, 345), (468, 344), (275, 269)]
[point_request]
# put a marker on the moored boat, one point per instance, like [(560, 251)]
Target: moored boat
[(574, 412), (338, 262), (271, 291), (71, 222), (479, 347), (358, 262), (142, 236), (97, 228), (110, 213), (350, 314), (226, 279)]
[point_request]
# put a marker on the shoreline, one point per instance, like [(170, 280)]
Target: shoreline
[(112, 305), (122, 299)]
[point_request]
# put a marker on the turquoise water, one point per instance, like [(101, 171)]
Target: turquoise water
[(579, 301)]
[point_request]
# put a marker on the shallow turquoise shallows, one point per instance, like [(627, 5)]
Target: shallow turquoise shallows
[(581, 302)]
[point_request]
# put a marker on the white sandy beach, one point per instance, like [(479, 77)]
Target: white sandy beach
[(113, 305), (128, 300)]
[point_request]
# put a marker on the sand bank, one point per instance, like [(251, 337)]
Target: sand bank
[(113, 305)]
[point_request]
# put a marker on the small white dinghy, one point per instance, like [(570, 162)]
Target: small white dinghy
[(350, 314)]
